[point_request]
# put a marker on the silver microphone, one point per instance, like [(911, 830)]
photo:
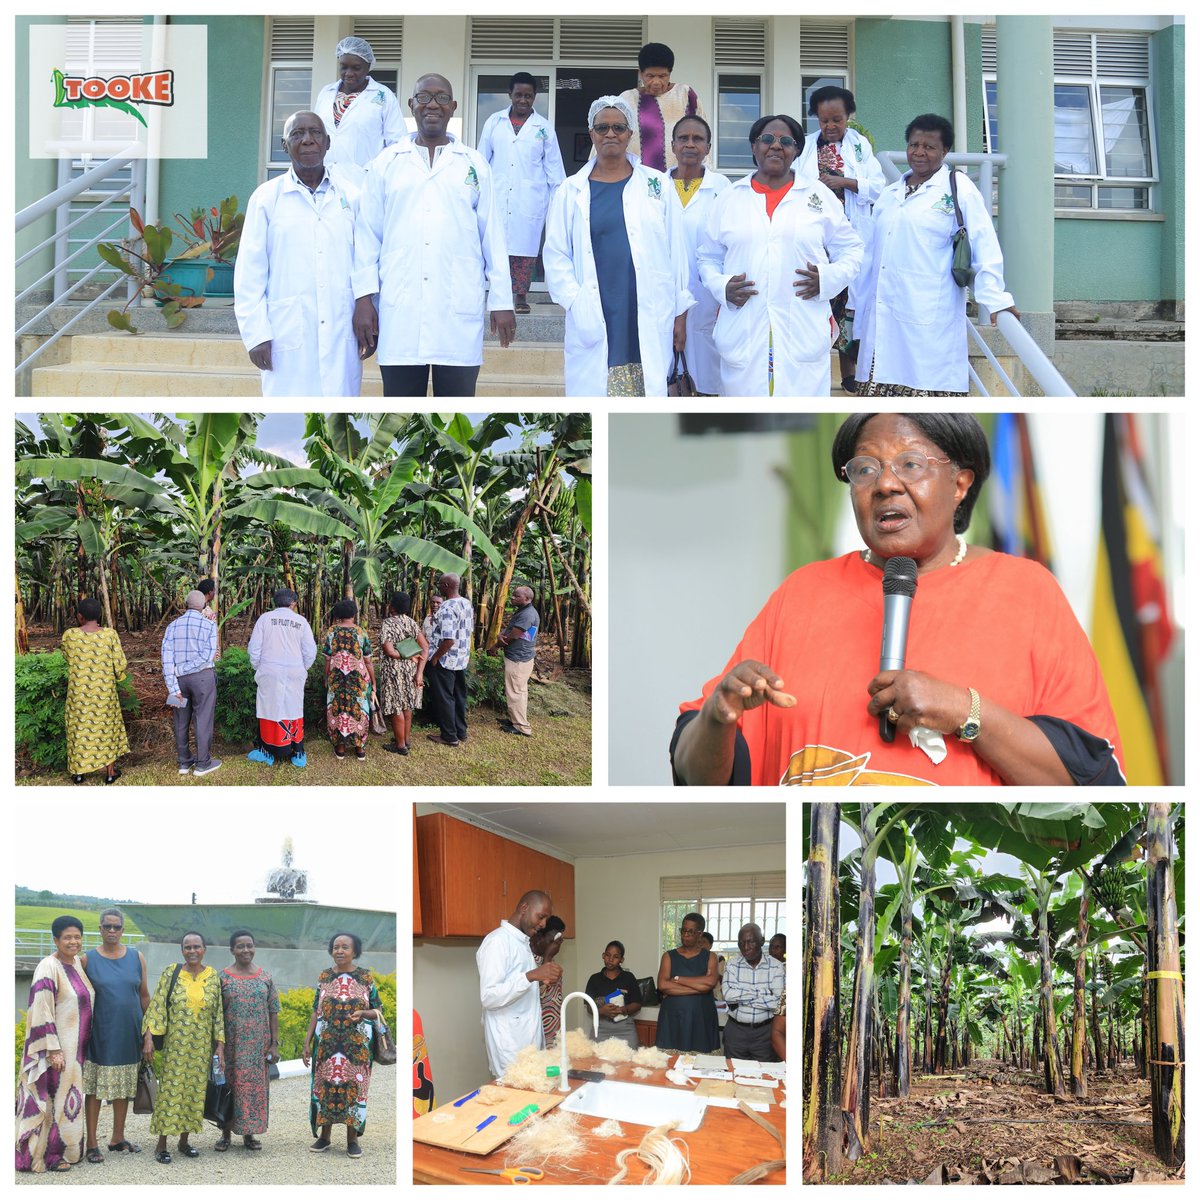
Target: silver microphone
[(899, 588)]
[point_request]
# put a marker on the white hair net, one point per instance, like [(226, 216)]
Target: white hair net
[(358, 46), (611, 102)]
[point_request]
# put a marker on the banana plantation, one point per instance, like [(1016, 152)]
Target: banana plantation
[(993, 993)]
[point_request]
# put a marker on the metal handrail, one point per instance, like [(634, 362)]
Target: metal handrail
[(29, 942), (59, 199)]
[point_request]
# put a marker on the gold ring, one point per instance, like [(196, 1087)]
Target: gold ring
[(893, 716)]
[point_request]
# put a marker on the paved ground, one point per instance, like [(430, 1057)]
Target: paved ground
[(284, 1158)]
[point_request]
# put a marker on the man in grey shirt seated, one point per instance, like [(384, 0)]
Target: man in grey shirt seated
[(519, 641)]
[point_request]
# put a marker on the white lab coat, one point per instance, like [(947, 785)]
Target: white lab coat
[(430, 242), (704, 363), (512, 1007), (292, 283), (912, 321), (862, 165), (281, 649), (373, 121), (808, 226), (652, 222), (527, 166)]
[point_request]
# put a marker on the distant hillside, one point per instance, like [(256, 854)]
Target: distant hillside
[(48, 899), (41, 916)]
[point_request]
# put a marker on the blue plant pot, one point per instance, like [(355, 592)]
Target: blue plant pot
[(191, 274), (221, 284)]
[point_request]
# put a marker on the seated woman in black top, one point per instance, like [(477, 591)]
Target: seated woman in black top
[(614, 979)]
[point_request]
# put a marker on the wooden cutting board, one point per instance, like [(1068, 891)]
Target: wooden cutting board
[(457, 1134)]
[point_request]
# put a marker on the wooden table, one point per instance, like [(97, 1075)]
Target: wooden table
[(727, 1143)]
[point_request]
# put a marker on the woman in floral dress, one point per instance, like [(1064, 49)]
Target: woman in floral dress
[(401, 678), (349, 680), (95, 665), (251, 1041), (338, 1045)]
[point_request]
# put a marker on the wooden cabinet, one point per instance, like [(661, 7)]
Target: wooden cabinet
[(470, 880)]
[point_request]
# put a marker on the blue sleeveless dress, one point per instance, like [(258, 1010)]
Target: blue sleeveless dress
[(688, 1022)]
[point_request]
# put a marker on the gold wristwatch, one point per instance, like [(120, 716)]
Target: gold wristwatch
[(968, 731)]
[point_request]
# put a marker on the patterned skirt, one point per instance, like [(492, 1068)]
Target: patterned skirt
[(873, 387)]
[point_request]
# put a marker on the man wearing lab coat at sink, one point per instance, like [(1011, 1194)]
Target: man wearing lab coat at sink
[(292, 280), (430, 256), (508, 982)]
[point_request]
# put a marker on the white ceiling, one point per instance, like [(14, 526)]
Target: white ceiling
[(604, 829)]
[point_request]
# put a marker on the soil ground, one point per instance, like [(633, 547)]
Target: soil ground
[(990, 1123), (559, 753)]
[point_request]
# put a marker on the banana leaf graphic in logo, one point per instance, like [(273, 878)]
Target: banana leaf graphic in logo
[(61, 101)]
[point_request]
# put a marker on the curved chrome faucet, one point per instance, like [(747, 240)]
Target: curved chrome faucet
[(562, 1032)]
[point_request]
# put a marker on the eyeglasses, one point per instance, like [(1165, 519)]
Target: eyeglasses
[(862, 472), (769, 139), (605, 127), (442, 98), (112, 928)]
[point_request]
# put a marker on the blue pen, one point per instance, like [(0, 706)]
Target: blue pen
[(470, 1096), (482, 1125)]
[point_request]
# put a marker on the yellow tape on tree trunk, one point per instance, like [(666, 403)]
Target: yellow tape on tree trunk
[(1164, 975)]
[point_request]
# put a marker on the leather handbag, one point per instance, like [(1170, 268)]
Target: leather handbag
[(960, 259), (383, 1049), (218, 1101), (147, 1090), (679, 381), (160, 1038)]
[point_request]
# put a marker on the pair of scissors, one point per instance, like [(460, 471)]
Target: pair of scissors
[(511, 1174)]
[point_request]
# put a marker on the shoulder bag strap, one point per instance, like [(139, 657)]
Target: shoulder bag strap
[(174, 980), (954, 197)]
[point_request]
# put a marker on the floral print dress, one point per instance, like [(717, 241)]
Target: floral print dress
[(348, 689), (342, 1055), (249, 1001)]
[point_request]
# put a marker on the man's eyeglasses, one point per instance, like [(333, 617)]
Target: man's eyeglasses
[(863, 471), (769, 139), (442, 98), (112, 928), (604, 127)]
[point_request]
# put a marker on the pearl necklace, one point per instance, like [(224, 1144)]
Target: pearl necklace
[(868, 555)]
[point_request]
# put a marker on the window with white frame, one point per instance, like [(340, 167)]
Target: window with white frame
[(740, 66), (726, 902), (289, 83), (1104, 158)]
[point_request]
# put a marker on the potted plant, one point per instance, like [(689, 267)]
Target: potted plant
[(175, 283), (214, 233)]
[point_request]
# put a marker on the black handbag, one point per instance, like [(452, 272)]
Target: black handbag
[(147, 1090), (218, 1101), (160, 1038), (679, 381), (383, 1048), (960, 259)]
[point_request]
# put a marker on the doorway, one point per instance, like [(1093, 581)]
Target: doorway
[(575, 90)]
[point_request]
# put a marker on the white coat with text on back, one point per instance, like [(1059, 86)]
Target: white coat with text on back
[(776, 343), (374, 120), (654, 227), (292, 283), (430, 242), (913, 319), (512, 1008), (281, 649), (527, 166)]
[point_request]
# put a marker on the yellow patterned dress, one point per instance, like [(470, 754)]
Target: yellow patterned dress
[(193, 1025), (95, 730)]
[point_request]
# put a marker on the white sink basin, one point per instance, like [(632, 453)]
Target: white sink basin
[(637, 1104)]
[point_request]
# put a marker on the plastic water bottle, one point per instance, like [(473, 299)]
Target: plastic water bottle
[(217, 1073)]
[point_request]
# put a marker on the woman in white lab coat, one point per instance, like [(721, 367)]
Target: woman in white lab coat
[(842, 159), (362, 116), (696, 188), (615, 260), (912, 319), (777, 248), (520, 147)]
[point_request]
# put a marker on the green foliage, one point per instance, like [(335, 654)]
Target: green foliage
[(20, 1044), (41, 700), (485, 681), (236, 717), (295, 1010), (314, 696)]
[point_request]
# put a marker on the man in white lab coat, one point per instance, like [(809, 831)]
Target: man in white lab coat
[(508, 982), (520, 146), (430, 256), (292, 281), (281, 649)]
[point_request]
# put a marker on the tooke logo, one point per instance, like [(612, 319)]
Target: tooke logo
[(120, 91)]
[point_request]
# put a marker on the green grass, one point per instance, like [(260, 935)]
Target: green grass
[(559, 753), (35, 916)]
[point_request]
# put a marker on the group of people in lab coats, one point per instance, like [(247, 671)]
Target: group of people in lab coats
[(408, 245)]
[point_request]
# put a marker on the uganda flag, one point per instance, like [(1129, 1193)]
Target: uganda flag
[(1131, 625), (1015, 502)]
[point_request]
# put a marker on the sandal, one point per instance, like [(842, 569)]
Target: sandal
[(251, 1142), (131, 1147), (521, 307), (222, 1143), (392, 748), (162, 1156), (113, 777), (61, 1165), (75, 779), (190, 1151), (320, 1145), (93, 1155), (850, 384)]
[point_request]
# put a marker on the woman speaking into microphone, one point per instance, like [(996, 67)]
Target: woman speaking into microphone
[(999, 686)]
